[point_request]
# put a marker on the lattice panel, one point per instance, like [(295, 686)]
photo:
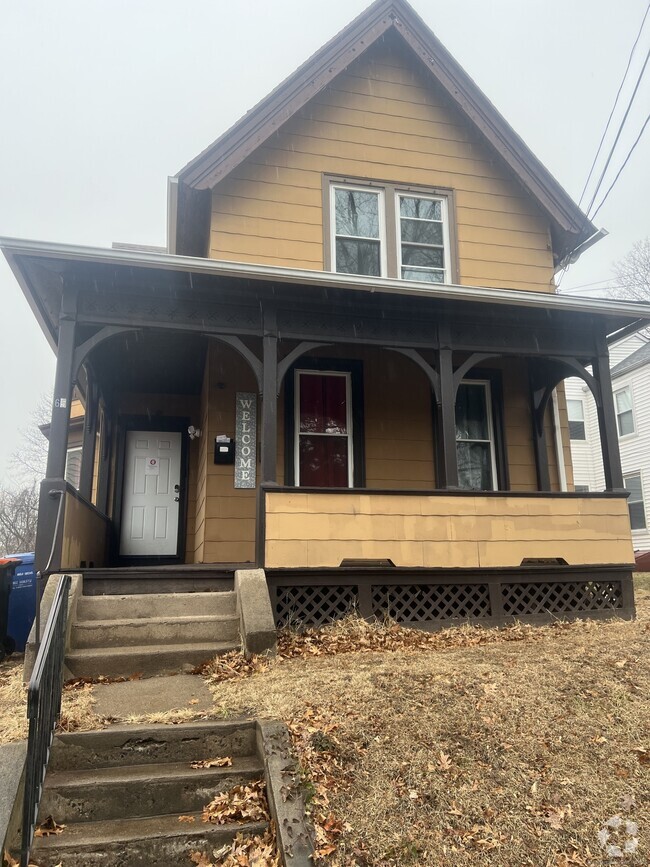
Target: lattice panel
[(314, 605), (561, 597), (423, 602)]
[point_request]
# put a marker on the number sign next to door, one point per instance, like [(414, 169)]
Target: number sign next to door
[(245, 440)]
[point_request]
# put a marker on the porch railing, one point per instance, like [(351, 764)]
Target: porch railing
[(43, 710)]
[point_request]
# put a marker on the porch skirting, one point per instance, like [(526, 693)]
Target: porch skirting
[(433, 599)]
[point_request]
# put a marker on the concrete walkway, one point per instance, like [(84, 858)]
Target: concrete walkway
[(152, 695)]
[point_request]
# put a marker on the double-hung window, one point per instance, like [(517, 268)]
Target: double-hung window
[(385, 230), (576, 411), (475, 436), (73, 466), (422, 235), (635, 501), (624, 414), (323, 429), (359, 236)]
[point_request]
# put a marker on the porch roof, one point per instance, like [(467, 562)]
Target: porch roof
[(42, 268)]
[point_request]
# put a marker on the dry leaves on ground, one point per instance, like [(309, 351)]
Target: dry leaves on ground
[(232, 665), (225, 762), (244, 851), (49, 828), (240, 804)]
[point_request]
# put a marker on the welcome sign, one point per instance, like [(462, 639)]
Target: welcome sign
[(245, 439)]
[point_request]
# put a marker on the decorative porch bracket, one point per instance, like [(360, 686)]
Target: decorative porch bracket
[(239, 346), (301, 349), (108, 331)]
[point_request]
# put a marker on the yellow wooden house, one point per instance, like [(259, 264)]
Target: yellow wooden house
[(346, 368)]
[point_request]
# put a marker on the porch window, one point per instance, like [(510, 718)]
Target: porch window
[(359, 245), (576, 411), (624, 415), (73, 467), (635, 501), (323, 429), (422, 235), (475, 436)]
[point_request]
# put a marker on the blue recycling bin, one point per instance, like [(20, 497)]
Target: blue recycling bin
[(22, 600)]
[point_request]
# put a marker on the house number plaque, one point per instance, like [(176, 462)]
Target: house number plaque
[(245, 439)]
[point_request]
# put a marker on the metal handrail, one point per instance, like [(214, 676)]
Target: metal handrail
[(39, 575), (43, 710)]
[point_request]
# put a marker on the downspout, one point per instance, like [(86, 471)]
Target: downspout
[(559, 447)]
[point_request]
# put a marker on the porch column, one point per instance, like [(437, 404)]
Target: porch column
[(269, 409), (538, 412), (63, 385), (89, 439), (607, 421), (446, 418)]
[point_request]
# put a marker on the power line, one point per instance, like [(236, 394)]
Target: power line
[(618, 135), (611, 114), (625, 162)]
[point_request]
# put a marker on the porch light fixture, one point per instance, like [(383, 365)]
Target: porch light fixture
[(194, 432)]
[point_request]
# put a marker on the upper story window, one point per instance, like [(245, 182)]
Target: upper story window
[(576, 411), (359, 245), (635, 501), (624, 415), (422, 229), (384, 230)]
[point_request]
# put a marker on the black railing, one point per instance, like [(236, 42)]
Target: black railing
[(43, 709)]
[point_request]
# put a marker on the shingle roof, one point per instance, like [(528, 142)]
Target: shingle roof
[(638, 358)]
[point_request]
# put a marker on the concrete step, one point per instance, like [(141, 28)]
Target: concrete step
[(155, 841), (136, 605), (146, 660), (140, 790), (154, 630), (119, 746)]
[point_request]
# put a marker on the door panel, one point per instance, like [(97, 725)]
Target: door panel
[(151, 498)]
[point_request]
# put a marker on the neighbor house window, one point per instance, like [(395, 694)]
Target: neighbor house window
[(475, 436), (73, 467), (421, 241), (635, 501), (582, 489), (387, 230), (323, 429), (358, 220), (576, 410), (624, 416)]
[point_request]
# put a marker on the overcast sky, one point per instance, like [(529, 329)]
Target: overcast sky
[(103, 99)]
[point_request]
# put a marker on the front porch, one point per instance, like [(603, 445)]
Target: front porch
[(417, 430)]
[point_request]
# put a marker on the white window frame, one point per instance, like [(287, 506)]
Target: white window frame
[(578, 400), (631, 410), (638, 475), (348, 420), (381, 213), (487, 385), (446, 246), (69, 451)]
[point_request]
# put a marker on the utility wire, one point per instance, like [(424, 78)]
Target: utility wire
[(618, 136), (611, 114), (625, 162)]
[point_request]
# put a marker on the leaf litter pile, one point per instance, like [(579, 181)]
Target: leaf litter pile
[(523, 746)]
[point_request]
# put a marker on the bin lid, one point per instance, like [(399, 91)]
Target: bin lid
[(7, 561), (25, 559)]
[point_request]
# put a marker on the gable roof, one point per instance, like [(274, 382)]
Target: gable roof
[(637, 359), (570, 227)]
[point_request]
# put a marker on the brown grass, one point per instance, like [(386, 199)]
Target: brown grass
[(509, 753)]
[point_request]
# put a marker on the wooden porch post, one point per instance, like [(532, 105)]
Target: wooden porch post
[(269, 431), (446, 416), (607, 421), (538, 412), (63, 385)]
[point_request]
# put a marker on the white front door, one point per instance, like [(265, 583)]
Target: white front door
[(151, 498)]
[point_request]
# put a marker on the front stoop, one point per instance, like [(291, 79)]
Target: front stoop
[(120, 793), (151, 634)]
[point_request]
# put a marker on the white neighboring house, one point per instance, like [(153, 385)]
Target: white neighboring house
[(630, 366)]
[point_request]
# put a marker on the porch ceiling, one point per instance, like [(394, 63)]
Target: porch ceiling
[(43, 269)]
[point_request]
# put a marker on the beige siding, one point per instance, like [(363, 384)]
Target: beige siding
[(321, 530), (85, 535), (381, 120)]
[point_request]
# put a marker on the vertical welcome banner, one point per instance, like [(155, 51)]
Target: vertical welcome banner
[(245, 439)]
